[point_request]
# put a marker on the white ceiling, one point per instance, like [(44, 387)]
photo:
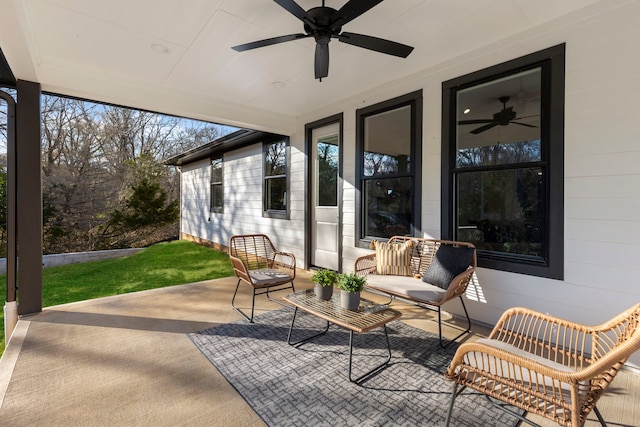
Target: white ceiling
[(104, 50)]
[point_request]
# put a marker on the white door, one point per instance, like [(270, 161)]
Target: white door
[(325, 159)]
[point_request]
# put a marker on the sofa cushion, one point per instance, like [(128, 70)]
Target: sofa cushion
[(393, 258), (448, 262), (408, 287)]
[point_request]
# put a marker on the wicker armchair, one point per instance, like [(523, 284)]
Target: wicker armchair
[(259, 264), (545, 365)]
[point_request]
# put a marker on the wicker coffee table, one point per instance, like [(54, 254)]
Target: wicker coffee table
[(369, 316)]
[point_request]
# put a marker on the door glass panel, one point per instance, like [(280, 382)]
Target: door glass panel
[(327, 171)]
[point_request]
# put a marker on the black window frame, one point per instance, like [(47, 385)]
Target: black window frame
[(414, 101), (552, 64), (268, 212), (216, 206)]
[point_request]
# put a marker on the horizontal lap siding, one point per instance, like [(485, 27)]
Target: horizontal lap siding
[(194, 185), (242, 202)]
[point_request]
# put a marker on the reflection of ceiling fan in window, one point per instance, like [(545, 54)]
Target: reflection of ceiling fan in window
[(504, 117)]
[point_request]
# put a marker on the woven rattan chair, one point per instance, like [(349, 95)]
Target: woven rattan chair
[(545, 365), (259, 264)]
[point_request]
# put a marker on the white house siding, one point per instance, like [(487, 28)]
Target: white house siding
[(194, 199), (242, 201), (602, 158), (602, 176)]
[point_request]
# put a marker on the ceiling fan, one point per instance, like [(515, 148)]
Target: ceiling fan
[(324, 23), (503, 117)]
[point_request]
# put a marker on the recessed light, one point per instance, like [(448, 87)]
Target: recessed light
[(466, 111), (160, 48)]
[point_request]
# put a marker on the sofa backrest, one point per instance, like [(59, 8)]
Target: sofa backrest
[(424, 250)]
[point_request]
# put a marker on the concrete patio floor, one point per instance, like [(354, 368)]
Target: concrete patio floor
[(127, 361)]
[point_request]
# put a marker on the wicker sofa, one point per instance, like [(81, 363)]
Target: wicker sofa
[(432, 277)]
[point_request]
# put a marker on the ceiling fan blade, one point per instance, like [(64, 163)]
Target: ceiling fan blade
[(269, 42), (322, 60), (475, 121), (351, 10), (484, 128), (377, 44), (294, 8), (523, 124)]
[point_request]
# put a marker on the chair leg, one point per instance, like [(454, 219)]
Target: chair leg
[(466, 331), (293, 289), (253, 302), (521, 418), (597, 412), (454, 394)]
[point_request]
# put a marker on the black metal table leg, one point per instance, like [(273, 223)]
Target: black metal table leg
[(374, 370), (295, 312)]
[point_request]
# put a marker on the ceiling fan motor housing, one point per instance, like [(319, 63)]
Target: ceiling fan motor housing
[(504, 117), (323, 31)]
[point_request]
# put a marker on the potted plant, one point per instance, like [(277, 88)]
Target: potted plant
[(351, 285), (324, 280)]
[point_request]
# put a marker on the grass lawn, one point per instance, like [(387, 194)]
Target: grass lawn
[(164, 264)]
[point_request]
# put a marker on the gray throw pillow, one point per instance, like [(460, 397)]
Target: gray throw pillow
[(448, 262)]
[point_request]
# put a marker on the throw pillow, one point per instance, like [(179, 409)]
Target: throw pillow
[(394, 258), (448, 262)]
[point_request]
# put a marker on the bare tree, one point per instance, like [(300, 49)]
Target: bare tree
[(94, 154)]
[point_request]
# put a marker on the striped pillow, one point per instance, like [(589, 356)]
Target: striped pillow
[(394, 258)]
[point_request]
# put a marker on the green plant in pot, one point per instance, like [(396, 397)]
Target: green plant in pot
[(351, 285), (324, 280)]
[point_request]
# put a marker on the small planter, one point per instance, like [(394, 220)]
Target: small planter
[(323, 292), (350, 300), (351, 285), (324, 280)]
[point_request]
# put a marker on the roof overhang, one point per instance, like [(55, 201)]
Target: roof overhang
[(233, 141)]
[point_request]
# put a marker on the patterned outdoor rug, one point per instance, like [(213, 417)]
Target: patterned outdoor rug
[(308, 385)]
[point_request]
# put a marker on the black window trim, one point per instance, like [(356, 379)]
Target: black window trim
[(212, 208), (413, 99), (273, 213), (552, 62)]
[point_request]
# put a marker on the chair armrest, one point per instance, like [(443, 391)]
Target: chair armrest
[(458, 285), (286, 262), (365, 265), (240, 269)]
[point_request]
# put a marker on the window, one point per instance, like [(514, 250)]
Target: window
[(389, 136), (276, 167), (217, 189), (503, 156)]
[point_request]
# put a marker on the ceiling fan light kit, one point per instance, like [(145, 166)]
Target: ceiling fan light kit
[(324, 23)]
